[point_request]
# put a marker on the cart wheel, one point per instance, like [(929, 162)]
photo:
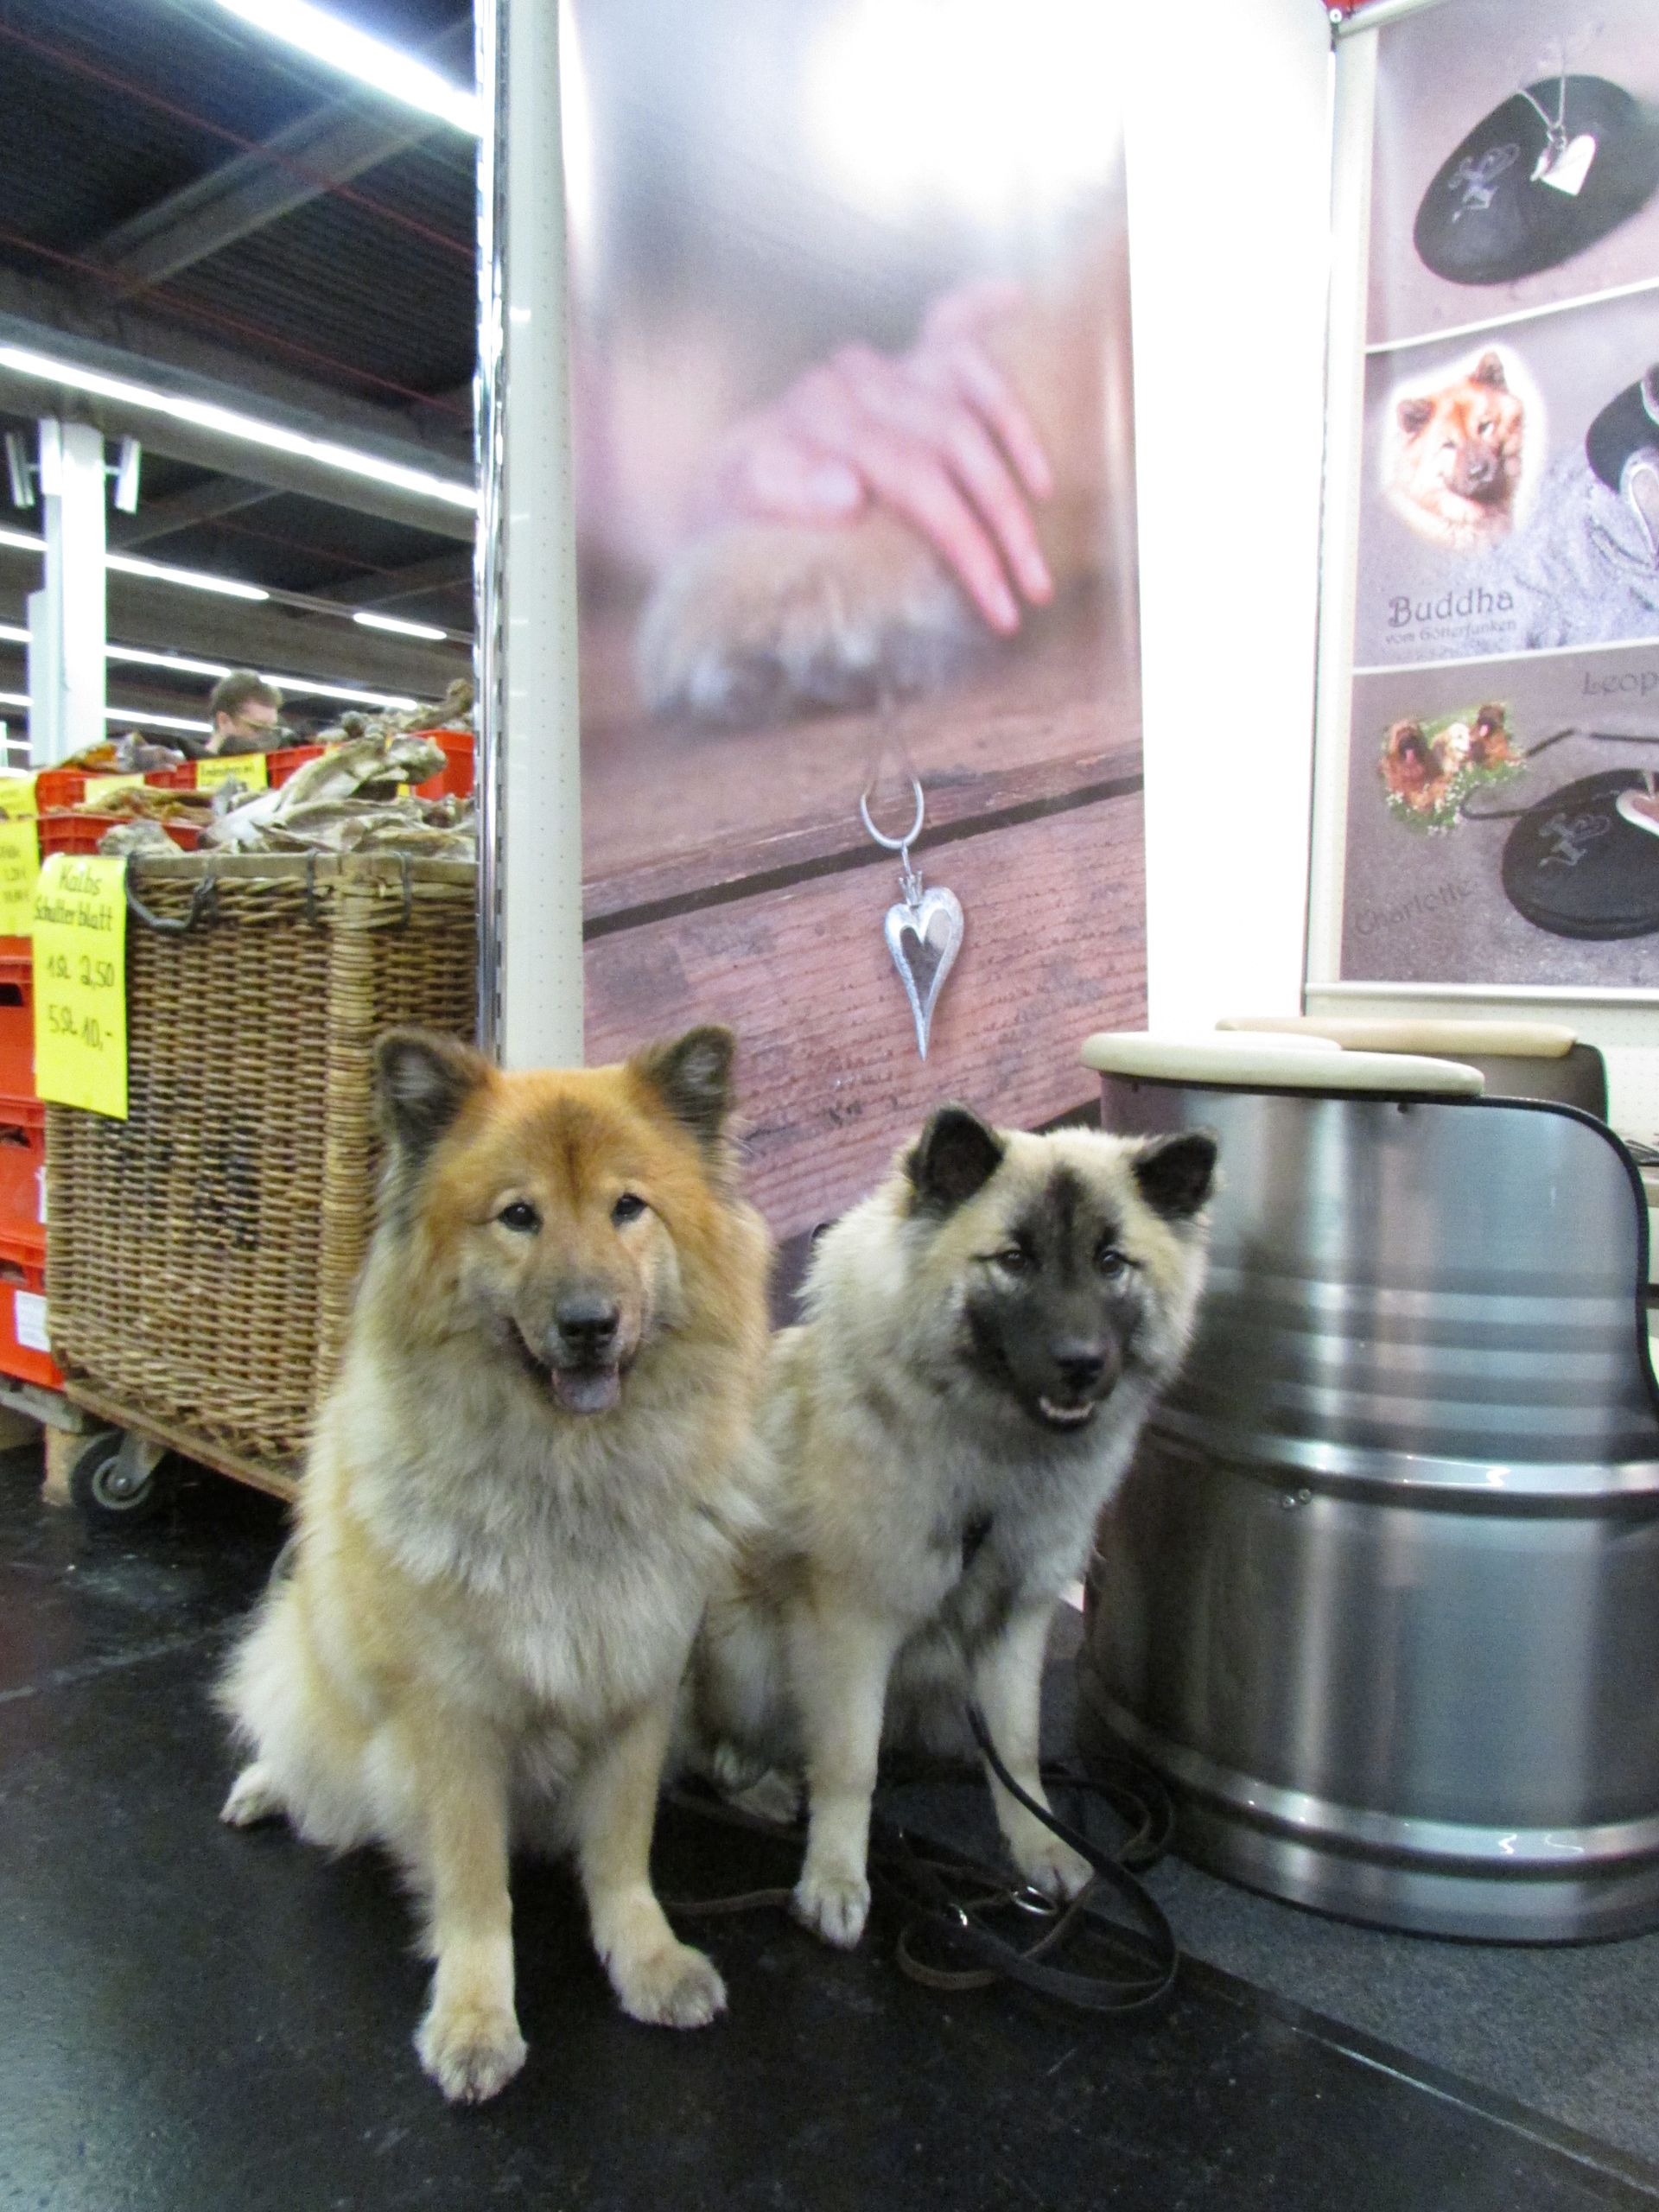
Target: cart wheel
[(119, 1480)]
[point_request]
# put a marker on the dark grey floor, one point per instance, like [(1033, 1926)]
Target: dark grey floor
[(196, 2021), (1572, 2029)]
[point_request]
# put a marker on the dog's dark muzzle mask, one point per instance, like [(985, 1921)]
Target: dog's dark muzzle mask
[(1058, 1375)]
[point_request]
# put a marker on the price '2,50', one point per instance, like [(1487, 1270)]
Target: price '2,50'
[(95, 975)]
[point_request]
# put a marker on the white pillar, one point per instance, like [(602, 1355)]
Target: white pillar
[(66, 617), (530, 759)]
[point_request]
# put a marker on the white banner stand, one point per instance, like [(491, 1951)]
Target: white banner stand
[(529, 731)]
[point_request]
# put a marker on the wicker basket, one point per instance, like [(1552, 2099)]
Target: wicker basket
[(201, 1255)]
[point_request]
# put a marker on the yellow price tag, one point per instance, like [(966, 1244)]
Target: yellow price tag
[(99, 787), (81, 983), (17, 795), (20, 867), (250, 770)]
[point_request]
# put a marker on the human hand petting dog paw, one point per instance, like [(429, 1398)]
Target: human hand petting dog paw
[(936, 435), (470, 2049), (672, 1986), (834, 1905)]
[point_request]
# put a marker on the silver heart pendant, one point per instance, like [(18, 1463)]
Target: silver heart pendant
[(924, 936)]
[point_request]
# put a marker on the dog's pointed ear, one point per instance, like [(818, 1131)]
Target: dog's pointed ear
[(1176, 1175), (692, 1077), (1489, 370), (1413, 413), (955, 1155), (422, 1081)]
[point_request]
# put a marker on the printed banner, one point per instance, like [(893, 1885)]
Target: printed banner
[(856, 492), (1502, 809)]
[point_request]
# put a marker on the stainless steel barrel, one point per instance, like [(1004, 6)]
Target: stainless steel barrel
[(1380, 1596)]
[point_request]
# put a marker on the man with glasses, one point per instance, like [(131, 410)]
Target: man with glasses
[(245, 710)]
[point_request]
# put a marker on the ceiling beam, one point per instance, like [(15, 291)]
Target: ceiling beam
[(122, 341), (247, 635), (298, 165), (443, 572), (220, 495)]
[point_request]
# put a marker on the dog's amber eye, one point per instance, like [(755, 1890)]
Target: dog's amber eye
[(1109, 1260), (628, 1207), (520, 1216)]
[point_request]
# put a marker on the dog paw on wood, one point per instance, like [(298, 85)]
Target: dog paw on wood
[(762, 620)]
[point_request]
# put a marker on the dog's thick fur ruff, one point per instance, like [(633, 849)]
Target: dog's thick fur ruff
[(985, 1337), (521, 1487)]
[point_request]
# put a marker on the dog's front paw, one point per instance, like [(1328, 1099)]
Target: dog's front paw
[(765, 620), (672, 1986), (471, 2050), (834, 1903), (1052, 1867)]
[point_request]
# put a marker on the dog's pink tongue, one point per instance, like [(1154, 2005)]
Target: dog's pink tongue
[(586, 1389)]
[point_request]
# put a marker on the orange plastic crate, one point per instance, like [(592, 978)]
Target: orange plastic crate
[(18, 1028), (23, 1169), (59, 787), (455, 779), (23, 1312), (281, 765), (79, 833)]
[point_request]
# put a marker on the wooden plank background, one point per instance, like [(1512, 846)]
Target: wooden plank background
[(1054, 947), (729, 879)]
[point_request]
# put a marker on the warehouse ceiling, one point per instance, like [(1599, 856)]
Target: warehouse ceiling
[(185, 203)]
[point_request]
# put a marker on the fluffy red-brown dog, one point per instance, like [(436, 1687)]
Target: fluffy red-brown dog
[(521, 1487)]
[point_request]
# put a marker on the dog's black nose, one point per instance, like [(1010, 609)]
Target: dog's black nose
[(1079, 1366), (589, 1325)]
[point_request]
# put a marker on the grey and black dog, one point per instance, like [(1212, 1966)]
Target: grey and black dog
[(985, 1334)]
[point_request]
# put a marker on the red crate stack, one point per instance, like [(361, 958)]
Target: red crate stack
[(23, 1355)]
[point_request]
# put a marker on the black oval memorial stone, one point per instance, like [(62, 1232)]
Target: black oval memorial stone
[(1486, 220), (1573, 866)]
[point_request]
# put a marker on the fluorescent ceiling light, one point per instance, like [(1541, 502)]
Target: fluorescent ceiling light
[(302, 687), (23, 540), (297, 687), (213, 668), (155, 721), (387, 69), (12, 635), (397, 628), (194, 579), (226, 422), (120, 715)]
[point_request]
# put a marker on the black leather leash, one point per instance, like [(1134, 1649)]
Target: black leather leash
[(948, 1940)]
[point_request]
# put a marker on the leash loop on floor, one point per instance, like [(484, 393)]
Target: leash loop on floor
[(949, 1940)]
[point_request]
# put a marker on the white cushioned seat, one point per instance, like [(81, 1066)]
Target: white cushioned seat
[(1252, 1060)]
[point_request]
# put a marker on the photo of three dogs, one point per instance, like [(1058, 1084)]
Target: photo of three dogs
[(573, 1518)]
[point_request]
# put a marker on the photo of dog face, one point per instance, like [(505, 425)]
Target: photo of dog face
[(1457, 457)]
